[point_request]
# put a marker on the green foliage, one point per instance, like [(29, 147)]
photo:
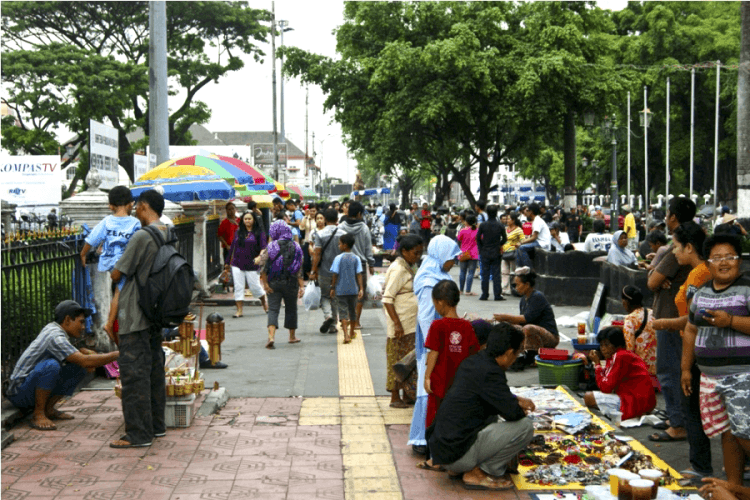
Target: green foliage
[(64, 63)]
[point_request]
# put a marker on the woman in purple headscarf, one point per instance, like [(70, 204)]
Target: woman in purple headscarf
[(282, 279)]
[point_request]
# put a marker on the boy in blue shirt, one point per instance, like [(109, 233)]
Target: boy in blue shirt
[(113, 234), (346, 284), (295, 218)]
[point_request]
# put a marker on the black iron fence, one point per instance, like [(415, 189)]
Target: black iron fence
[(214, 262), (184, 231), (37, 274)]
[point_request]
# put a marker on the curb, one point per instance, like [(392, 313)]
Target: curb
[(214, 401)]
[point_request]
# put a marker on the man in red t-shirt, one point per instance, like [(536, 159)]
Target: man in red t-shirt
[(425, 224), (227, 228)]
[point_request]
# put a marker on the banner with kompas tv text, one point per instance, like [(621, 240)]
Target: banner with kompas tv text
[(31, 180)]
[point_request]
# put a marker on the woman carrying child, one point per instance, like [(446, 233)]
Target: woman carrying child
[(624, 381), (249, 241), (441, 256), (400, 305)]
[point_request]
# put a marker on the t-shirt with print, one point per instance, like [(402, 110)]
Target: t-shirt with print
[(664, 306), (115, 233), (51, 343), (597, 242), (320, 240), (135, 264), (346, 268), (454, 340), (544, 238), (721, 351)]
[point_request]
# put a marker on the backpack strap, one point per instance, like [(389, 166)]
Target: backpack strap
[(328, 242)]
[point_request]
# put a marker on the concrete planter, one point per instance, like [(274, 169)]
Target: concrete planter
[(567, 279), (615, 278)]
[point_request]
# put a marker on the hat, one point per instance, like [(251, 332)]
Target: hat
[(656, 223), (627, 208), (725, 209), (70, 308), (728, 218)]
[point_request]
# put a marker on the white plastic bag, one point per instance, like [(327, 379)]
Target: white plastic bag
[(311, 298), (374, 290)]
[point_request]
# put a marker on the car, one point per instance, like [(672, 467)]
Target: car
[(607, 216)]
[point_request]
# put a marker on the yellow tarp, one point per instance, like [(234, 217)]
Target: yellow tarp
[(520, 481)]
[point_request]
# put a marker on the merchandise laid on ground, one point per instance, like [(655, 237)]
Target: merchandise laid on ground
[(573, 448)]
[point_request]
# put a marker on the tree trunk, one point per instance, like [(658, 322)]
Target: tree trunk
[(569, 148), (462, 177), (743, 115)]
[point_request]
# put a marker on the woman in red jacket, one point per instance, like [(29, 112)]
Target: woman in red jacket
[(624, 381)]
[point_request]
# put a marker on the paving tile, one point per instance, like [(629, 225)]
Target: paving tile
[(261, 488), (381, 446), (265, 432), (51, 485), (371, 485), (322, 445), (261, 447), (209, 488), (327, 489), (367, 459), (318, 430), (224, 468), (320, 472), (98, 489), (322, 462), (370, 471)]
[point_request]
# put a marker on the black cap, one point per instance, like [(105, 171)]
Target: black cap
[(69, 308)]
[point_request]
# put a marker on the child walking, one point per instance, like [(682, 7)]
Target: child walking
[(113, 233), (346, 285)]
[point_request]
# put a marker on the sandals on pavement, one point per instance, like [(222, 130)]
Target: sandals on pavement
[(38, 427), (59, 415), (270, 345), (435, 468), (399, 404), (295, 341), (490, 484), (664, 437), (124, 443)]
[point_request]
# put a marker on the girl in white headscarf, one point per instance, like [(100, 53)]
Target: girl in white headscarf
[(619, 254)]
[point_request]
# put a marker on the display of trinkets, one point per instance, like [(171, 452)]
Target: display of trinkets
[(214, 336)]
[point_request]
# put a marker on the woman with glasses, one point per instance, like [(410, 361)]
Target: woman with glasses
[(717, 339)]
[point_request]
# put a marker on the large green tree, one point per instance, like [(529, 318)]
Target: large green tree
[(66, 62)]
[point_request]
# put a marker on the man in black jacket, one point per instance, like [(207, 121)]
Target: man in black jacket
[(491, 237), (467, 436)]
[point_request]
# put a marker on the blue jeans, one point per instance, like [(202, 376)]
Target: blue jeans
[(48, 375), (668, 359), (522, 255), (466, 274), (491, 268)]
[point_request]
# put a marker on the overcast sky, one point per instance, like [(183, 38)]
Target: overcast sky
[(243, 100)]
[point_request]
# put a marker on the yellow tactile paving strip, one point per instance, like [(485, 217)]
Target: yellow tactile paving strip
[(369, 469)]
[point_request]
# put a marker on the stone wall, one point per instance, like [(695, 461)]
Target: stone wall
[(567, 279)]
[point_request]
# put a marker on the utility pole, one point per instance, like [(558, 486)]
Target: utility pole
[(273, 64), (283, 26), (158, 109)]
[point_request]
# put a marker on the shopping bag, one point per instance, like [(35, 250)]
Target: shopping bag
[(311, 297)]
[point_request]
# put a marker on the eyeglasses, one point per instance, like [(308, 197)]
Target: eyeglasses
[(726, 258)]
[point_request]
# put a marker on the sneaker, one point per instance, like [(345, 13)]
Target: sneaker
[(333, 329), (327, 324), (499, 297), (217, 365), (484, 297)]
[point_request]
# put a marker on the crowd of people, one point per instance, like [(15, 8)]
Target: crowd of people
[(693, 344)]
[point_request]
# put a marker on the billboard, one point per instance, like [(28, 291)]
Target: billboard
[(263, 153), (341, 189), (31, 180), (105, 153), (140, 166)]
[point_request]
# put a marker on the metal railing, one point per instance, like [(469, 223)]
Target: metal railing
[(37, 273), (214, 263), (184, 231)]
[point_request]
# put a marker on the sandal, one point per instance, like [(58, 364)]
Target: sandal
[(490, 484), (664, 437), (294, 341), (399, 404), (124, 443), (435, 468), (237, 315), (661, 426), (270, 345)]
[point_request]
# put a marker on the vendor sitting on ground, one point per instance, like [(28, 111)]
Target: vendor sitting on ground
[(624, 381), (536, 318), (467, 437), (51, 367)]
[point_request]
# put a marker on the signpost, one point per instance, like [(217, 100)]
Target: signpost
[(105, 153), (263, 154), (31, 180), (140, 165)]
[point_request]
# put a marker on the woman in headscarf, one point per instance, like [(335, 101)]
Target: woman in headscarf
[(391, 225), (619, 254), (282, 279), (441, 255)]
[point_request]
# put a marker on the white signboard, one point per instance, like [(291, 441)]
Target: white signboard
[(140, 165), (105, 153), (31, 180)]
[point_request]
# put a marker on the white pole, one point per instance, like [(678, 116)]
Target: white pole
[(645, 144), (629, 147), (667, 179), (692, 127), (716, 145)]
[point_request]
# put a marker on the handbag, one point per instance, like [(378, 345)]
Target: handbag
[(464, 256), (509, 255)]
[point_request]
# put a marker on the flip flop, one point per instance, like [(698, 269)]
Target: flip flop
[(661, 426), (38, 427), (237, 315), (490, 484), (435, 468), (399, 404), (270, 345), (58, 415), (124, 443), (663, 437), (295, 341)]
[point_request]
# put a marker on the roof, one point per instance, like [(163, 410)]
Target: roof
[(238, 138)]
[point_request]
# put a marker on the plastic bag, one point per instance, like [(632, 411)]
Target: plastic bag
[(374, 290), (311, 298)]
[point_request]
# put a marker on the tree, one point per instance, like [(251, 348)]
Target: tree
[(45, 42), (743, 116)]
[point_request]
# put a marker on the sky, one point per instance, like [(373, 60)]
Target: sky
[(243, 100)]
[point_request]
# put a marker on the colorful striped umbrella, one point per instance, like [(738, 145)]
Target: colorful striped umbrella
[(184, 183), (261, 181), (304, 192), (223, 169)]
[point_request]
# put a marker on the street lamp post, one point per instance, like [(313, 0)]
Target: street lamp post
[(283, 26), (610, 129), (595, 164)]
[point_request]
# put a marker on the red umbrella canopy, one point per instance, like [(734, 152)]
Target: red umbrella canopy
[(262, 181)]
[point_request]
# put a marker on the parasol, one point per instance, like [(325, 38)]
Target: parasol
[(303, 192), (184, 183), (260, 180), (225, 170)]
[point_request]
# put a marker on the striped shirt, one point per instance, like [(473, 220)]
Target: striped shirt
[(51, 343), (721, 351)]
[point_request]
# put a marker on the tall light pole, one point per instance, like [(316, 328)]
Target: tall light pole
[(273, 83), (158, 111), (610, 128), (283, 26)]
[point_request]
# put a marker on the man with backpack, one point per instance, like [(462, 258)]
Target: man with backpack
[(141, 360)]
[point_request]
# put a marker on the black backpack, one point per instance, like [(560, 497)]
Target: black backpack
[(165, 297)]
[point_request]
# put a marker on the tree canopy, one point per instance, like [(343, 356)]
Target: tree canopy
[(64, 63)]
